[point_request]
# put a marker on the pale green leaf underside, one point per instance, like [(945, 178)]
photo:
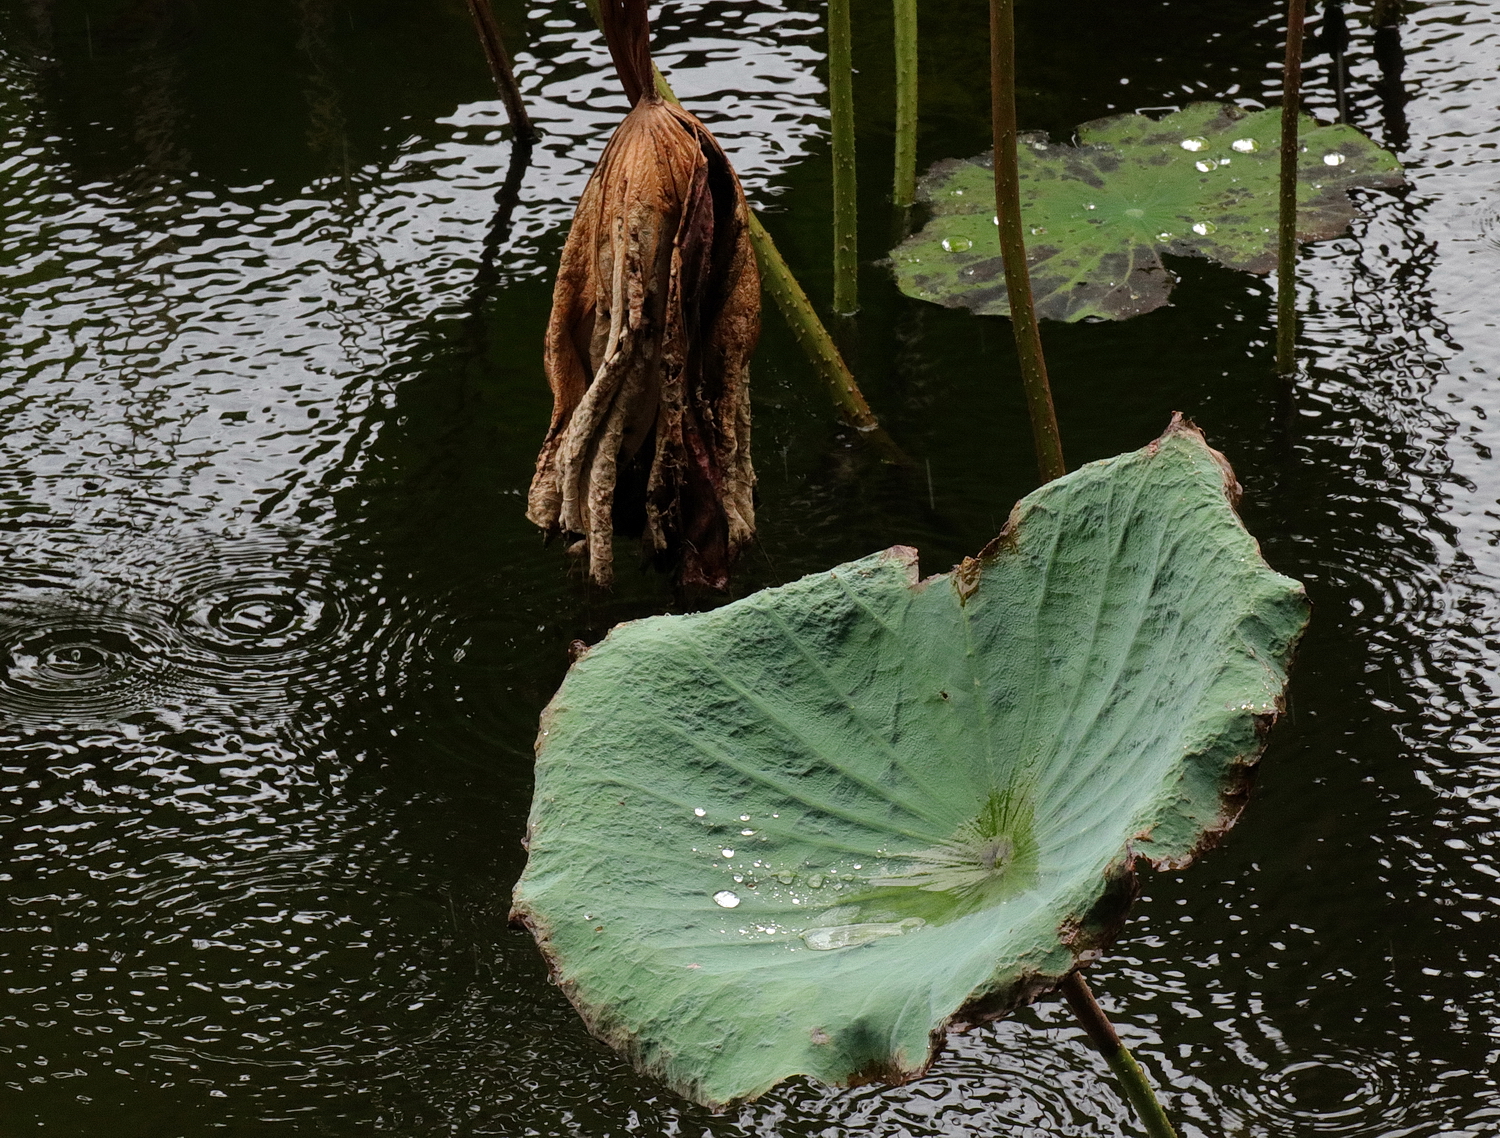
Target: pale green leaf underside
[(1099, 215), (920, 803)]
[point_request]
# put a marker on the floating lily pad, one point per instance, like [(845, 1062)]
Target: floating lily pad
[(808, 832), (1202, 181)]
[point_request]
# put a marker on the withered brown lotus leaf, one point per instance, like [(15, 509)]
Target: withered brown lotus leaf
[(655, 314)]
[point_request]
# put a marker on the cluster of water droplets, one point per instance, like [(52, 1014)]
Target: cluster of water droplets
[(800, 905)]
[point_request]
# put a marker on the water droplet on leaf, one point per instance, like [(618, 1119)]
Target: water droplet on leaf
[(956, 244), (698, 810), (1245, 145), (1333, 158), (1206, 164), (1194, 144), (726, 899), (1204, 228)]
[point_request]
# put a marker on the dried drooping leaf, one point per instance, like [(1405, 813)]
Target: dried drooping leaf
[(655, 314)]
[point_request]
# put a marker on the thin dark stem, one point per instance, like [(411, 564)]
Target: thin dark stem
[(905, 13), (1045, 435), (1102, 1033), (506, 200), (1286, 263), (1334, 37), (505, 79), (841, 125)]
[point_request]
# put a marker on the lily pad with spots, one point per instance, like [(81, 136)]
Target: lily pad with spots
[(811, 831), (1202, 181)]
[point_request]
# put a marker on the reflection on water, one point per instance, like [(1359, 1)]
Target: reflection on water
[(274, 633)]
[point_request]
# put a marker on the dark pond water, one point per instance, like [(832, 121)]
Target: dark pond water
[(274, 633)]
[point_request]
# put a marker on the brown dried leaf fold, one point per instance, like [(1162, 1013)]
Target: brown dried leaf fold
[(655, 314)]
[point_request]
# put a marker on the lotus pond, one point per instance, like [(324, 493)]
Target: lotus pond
[(275, 632)]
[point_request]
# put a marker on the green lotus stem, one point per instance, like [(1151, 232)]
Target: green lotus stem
[(505, 79), (841, 114), (777, 279), (905, 193), (1132, 1079), (1044, 432), (1286, 261)]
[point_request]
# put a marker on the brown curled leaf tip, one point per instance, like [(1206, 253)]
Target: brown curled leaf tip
[(655, 314)]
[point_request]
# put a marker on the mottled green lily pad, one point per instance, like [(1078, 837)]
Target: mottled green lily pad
[(810, 831), (1202, 181)]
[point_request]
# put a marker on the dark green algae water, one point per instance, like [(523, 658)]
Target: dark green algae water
[(274, 633)]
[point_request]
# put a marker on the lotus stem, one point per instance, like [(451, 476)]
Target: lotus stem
[(905, 193), (1335, 38), (1045, 435), (1286, 262), (841, 114), (777, 279), (505, 79), (1102, 1033)]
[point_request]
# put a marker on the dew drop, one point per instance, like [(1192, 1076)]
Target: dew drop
[(1333, 158), (1090, 205), (744, 817), (996, 219), (726, 899), (746, 833), (1204, 228), (815, 881), (727, 853), (1038, 229), (1194, 144), (1205, 165), (1135, 213), (1164, 236), (739, 877), (698, 810), (1245, 145), (785, 878), (956, 244), (858, 866)]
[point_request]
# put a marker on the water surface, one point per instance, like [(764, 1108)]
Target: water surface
[(274, 632)]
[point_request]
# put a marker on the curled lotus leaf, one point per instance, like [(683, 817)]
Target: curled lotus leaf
[(1203, 181), (811, 831)]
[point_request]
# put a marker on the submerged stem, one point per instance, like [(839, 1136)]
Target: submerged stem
[(1102, 1033), (1286, 261), (905, 192), (1047, 439), (778, 280), (500, 69), (841, 114)]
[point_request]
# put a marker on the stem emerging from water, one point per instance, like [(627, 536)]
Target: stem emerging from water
[(777, 280), (905, 193), (1048, 442), (841, 111), (1137, 1088), (505, 79), (1286, 264)]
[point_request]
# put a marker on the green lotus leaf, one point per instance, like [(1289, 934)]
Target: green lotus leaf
[(810, 831), (1202, 181)]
